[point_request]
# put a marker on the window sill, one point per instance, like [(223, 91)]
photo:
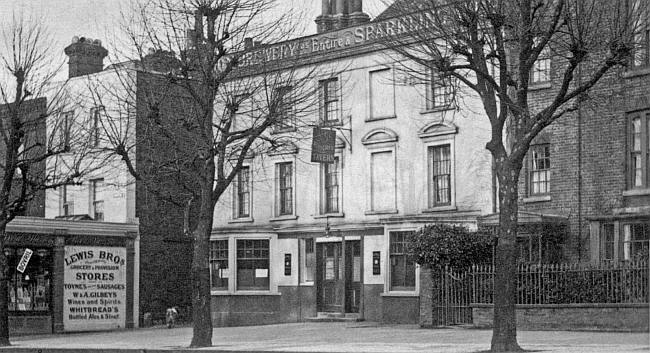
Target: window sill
[(539, 86), (307, 284), (242, 220), (244, 293), (284, 218), (330, 215), (637, 72), (400, 294), (381, 118), (280, 131), (437, 110), (440, 209), (636, 192), (540, 198), (370, 213), (330, 123)]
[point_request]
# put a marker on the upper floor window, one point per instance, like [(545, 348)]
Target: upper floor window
[(382, 94), (95, 134), (638, 146), (330, 187), (67, 208), (219, 272), (242, 194), (285, 109), (402, 266), (539, 169), (382, 181), (541, 70), (440, 91), (284, 187), (64, 130), (641, 54), (329, 98), (440, 175), (97, 198)]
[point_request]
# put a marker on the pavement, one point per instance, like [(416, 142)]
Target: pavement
[(327, 337)]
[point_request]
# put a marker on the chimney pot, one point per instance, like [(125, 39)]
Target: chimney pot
[(85, 56)]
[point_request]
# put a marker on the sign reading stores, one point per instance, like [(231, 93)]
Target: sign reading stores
[(94, 288), (346, 38)]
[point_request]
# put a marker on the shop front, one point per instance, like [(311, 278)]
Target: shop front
[(67, 276)]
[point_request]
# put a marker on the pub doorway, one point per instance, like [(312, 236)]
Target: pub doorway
[(338, 276)]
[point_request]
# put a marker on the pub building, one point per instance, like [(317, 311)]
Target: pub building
[(81, 275)]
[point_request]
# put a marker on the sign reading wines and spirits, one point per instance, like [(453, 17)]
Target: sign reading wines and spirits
[(94, 288), (322, 147)]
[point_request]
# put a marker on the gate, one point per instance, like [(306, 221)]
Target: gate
[(451, 295)]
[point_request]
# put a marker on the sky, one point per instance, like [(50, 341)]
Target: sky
[(97, 18)]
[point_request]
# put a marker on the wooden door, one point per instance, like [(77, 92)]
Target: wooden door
[(329, 274)]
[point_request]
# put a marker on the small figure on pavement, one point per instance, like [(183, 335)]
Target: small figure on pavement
[(171, 315)]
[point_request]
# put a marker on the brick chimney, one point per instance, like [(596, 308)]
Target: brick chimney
[(161, 61), (85, 56), (337, 14)]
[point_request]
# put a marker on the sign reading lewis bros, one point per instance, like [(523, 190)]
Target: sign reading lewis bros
[(94, 288)]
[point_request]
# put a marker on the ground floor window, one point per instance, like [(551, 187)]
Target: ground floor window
[(307, 260), (624, 241), (30, 290), (402, 266), (219, 271), (252, 264)]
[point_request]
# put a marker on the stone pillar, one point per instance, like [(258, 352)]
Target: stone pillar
[(130, 264), (57, 280)]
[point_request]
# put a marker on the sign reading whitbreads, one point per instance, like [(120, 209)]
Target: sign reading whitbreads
[(94, 288)]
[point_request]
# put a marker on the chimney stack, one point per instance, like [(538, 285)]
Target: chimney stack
[(338, 14), (85, 56)]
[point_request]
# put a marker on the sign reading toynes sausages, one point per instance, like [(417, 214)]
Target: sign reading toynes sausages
[(94, 288)]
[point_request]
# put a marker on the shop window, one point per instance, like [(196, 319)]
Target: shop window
[(402, 266), (539, 169), (30, 290), (219, 271), (307, 260), (253, 264), (440, 175)]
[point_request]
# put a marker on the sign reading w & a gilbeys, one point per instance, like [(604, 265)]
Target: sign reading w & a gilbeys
[(94, 288)]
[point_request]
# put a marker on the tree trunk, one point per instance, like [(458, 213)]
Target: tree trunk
[(4, 292), (200, 273), (504, 334)]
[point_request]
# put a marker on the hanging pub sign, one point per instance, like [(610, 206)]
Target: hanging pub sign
[(322, 146)]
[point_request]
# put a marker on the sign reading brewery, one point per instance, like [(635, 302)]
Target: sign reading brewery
[(342, 39), (322, 146), (94, 288)]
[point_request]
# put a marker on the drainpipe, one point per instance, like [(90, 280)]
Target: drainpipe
[(579, 112)]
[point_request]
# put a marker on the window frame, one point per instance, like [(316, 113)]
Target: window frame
[(220, 259), (67, 118), (432, 190), (279, 188), (386, 86), (237, 267), (324, 196), (325, 99), (532, 170), (95, 184), (387, 268), (540, 71), (371, 206), (67, 205), (236, 197), (303, 268), (435, 90), (95, 116), (643, 152), (286, 110)]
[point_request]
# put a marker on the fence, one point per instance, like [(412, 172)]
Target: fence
[(453, 291)]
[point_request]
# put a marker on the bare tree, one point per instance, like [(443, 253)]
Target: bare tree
[(34, 133), (490, 49), (204, 95)]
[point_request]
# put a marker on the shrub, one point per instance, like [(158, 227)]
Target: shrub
[(454, 246)]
